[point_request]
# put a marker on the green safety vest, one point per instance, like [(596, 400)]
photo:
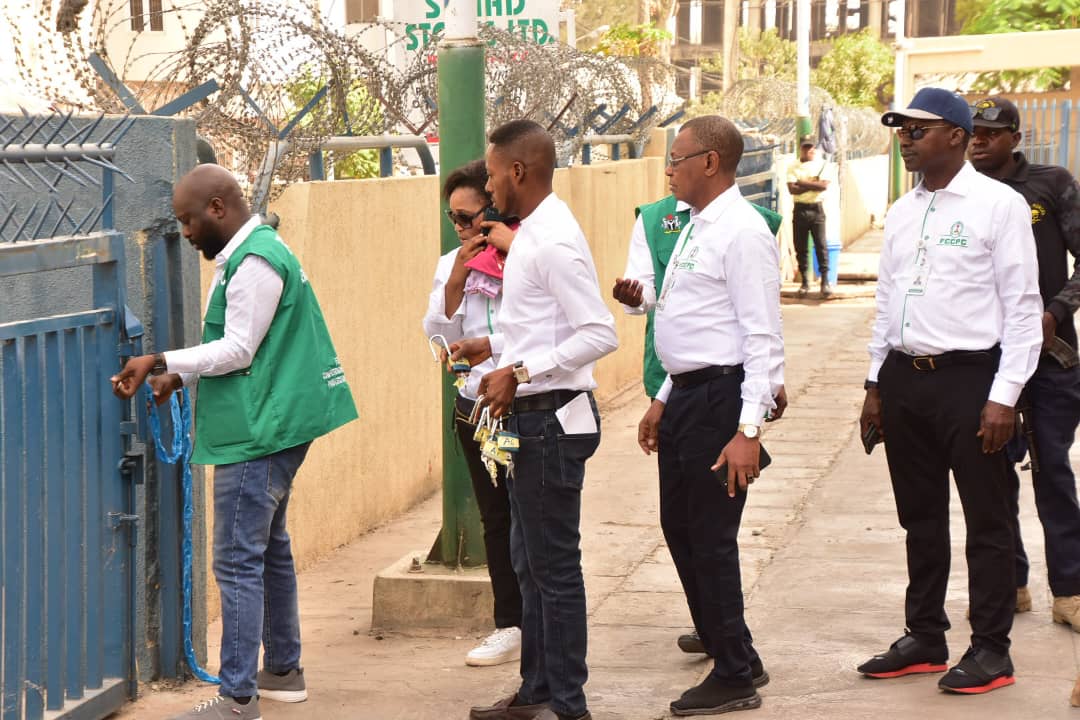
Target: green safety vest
[(293, 392), (663, 225)]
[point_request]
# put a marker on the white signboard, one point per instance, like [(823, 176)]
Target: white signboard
[(536, 20)]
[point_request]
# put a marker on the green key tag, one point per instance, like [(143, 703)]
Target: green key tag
[(507, 441)]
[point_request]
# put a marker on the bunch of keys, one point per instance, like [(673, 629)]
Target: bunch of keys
[(459, 367), (497, 445)]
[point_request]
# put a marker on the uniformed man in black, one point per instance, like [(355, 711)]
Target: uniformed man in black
[(1053, 392)]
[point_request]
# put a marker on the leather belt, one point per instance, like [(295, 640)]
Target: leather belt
[(696, 377), (927, 363), (550, 400)]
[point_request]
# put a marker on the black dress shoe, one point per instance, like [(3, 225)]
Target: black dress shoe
[(505, 709), (691, 643), (712, 697)]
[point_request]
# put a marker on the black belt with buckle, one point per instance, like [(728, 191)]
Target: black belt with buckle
[(550, 400), (696, 377), (953, 357)]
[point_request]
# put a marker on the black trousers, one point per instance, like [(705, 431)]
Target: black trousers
[(494, 504), (701, 523), (930, 419), (809, 219)]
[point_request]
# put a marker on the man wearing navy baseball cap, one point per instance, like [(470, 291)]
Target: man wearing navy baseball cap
[(1053, 392), (956, 336)]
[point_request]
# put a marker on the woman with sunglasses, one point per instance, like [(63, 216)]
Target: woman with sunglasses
[(465, 302)]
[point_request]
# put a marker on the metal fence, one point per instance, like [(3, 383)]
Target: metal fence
[(66, 519), (1051, 131)]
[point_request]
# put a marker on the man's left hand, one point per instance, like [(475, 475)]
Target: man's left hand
[(741, 455), (128, 381), (498, 388), (781, 405), (1049, 323), (997, 425)]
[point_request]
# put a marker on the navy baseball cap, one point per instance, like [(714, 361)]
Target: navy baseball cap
[(933, 104), (996, 112)]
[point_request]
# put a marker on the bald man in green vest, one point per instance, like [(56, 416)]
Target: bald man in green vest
[(269, 383)]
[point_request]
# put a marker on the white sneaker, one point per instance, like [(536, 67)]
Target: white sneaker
[(501, 646)]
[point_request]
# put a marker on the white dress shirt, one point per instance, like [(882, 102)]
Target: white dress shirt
[(720, 303), (958, 271), (553, 318), (639, 264), (476, 316), (252, 298)]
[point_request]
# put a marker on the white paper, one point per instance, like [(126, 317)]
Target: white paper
[(576, 417)]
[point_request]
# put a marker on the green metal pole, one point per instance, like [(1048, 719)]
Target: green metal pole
[(461, 140)]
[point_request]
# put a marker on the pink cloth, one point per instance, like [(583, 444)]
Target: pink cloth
[(486, 277)]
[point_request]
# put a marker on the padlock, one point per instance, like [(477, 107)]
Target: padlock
[(507, 441)]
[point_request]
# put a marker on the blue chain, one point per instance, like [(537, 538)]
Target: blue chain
[(180, 453)]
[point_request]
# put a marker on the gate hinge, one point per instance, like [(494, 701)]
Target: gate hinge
[(118, 520), (131, 467)]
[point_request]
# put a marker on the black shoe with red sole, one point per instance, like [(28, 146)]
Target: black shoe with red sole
[(979, 671), (907, 656)]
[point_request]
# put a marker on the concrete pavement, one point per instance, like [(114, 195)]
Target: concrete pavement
[(823, 572)]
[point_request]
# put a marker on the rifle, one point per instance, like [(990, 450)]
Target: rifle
[(1063, 353), (1027, 428)]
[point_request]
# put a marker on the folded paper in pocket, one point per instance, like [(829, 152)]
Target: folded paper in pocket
[(576, 417)]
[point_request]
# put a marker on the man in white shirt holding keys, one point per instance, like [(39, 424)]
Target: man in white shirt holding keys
[(957, 335), (554, 327), (718, 337)]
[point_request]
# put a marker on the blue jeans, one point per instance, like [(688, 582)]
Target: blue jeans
[(545, 538), (253, 565), (1054, 393)]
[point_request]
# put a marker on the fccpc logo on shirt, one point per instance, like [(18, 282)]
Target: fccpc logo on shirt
[(956, 236)]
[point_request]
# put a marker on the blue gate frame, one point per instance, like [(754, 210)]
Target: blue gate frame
[(66, 488)]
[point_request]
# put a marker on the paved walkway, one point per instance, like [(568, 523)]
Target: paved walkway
[(823, 572)]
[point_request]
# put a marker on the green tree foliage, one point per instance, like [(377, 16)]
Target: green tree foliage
[(988, 17), (627, 40), (363, 112), (857, 70), (761, 55)]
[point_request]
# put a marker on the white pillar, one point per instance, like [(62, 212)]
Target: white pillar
[(460, 18), (802, 76)]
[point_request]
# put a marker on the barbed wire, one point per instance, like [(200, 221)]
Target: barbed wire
[(269, 59), (768, 106)]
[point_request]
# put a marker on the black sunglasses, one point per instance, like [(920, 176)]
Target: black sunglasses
[(464, 219), (918, 132), (990, 114)]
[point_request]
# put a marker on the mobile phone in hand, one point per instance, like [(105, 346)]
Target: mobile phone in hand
[(493, 215), (764, 460), (870, 438)]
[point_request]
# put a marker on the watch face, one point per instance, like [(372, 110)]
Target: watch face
[(750, 431)]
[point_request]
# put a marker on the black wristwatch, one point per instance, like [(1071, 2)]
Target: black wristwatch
[(870, 385), (159, 364)]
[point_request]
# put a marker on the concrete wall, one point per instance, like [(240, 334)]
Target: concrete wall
[(370, 248)]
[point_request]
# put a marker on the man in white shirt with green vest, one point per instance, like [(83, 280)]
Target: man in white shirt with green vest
[(269, 384)]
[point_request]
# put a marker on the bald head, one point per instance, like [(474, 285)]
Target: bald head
[(713, 132), (211, 208)]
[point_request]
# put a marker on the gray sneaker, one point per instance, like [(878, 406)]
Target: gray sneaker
[(223, 708), (288, 688)]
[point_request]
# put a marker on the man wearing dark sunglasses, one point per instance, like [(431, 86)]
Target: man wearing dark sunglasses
[(1053, 392), (956, 337)]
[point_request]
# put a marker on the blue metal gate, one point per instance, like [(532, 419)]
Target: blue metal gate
[(66, 522)]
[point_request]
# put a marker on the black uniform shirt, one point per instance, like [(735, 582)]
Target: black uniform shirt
[(1054, 197)]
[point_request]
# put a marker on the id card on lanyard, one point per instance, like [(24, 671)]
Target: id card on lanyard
[(673, 265), (922, 256)]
